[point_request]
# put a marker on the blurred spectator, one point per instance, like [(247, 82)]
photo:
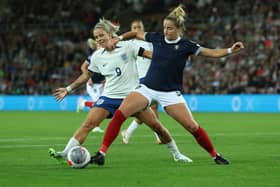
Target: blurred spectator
[(42, 44)]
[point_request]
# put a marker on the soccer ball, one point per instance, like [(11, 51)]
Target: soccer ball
[(78, 157)]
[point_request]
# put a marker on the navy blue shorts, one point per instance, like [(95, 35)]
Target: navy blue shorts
[(108, 104)]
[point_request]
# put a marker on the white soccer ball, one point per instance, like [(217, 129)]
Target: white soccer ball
[(78, 157)]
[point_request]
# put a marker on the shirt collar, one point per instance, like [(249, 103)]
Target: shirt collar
[(172, 41)]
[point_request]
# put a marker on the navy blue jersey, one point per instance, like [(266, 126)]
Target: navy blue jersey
[(168, 62), (97, 78)]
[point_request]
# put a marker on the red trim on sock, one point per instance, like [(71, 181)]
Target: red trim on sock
[(204, 141), (112, 130), (89, 104)]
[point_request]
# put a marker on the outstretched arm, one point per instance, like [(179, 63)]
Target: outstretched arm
[(60, 93), (131, 35), (126, 36), (236, 47)]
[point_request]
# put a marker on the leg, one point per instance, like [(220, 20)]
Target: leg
[(149, 118), (133, 103), (126, 134), (93, 119), (155, 110), (182, 114)]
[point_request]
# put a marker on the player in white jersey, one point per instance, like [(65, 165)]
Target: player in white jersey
[(143, 65), (119, 68)]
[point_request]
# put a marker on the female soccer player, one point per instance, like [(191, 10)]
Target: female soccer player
[(119, 68), (143, 65), (163, 81)]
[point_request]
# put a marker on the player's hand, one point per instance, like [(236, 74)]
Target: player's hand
[(237, 47), (60, 93), (111, 45)]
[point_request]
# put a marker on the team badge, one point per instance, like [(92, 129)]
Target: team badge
[(99, 101), (176, 47), (124, 57)]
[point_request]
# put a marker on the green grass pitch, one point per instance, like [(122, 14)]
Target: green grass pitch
[(251, 141)]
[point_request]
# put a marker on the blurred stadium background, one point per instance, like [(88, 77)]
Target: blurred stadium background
[(43, 44)]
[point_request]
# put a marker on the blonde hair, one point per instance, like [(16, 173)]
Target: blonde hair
[(108, 26), (92, 43), (178, 15)]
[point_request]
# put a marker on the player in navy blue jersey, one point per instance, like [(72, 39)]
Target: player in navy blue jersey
[(163, 81)]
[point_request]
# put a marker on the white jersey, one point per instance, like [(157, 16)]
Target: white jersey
[(118, 67), (143, 63)]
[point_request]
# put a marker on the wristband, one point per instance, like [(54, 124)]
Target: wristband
[(69, 89), (229, 50), (141, 51), (120, 37)]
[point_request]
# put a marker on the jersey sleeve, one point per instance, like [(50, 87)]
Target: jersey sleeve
[(92, 65), (193, 48), (134, 48)]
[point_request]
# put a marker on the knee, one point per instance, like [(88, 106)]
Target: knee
[(191, 125)]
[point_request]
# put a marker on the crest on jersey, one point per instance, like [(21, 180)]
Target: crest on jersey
[(176, 47), (124, 57), (99, 101)]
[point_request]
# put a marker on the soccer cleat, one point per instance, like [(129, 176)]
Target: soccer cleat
[(124, 137), (81, 105), (97, 129), (57, 156), (98, 159), (220, 160), (182, 158)]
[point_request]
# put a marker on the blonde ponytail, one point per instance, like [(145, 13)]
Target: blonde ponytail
[(92, 43), (178, 15)]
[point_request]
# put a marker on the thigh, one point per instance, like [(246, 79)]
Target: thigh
[(96, 116), (181, 113), (133, 103)]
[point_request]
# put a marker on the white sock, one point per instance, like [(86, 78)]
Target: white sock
[(71, 143), (173, 148), (132, 127)]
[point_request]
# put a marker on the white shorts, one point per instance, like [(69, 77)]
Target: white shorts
[(162, 97), (94, 91)]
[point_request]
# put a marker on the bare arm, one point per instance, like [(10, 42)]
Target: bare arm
[(131, 35), (236, 47), (126, 36), (147, 54), (60, 93), (84, 66)]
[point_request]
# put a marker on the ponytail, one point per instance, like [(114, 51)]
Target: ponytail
[(178, 15)]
